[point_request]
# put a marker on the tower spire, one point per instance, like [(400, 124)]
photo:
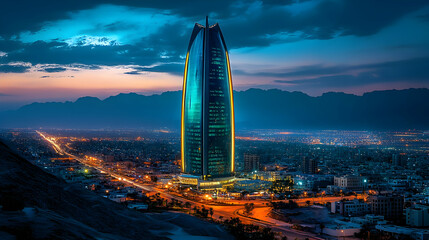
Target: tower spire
[(207, 22)]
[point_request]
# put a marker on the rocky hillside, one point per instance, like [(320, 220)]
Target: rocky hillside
[(55, 209)]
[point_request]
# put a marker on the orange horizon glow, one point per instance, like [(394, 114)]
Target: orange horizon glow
[(36, 86)]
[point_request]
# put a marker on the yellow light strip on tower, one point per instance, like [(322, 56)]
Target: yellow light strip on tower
[(182, 137), (231, 98)]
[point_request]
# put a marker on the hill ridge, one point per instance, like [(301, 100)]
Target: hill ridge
[(254, 108)]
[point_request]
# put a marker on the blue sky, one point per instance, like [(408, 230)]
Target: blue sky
[(56, 51)]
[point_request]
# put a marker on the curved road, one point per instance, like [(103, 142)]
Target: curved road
[(260, 214)]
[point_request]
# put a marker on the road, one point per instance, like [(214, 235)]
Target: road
[(259, 217)]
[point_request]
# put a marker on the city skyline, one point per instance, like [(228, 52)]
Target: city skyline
[(309, 46)]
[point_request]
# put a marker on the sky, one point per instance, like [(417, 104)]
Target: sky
[(63, 50)]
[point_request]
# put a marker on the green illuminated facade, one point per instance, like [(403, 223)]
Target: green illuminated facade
[(207, 134)]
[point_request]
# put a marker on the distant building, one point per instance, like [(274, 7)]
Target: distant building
[(312, 182), (389, 206), (351, 182), (369, 219), (399, 159), (117, 197), (309, 165), (398, 185), (251, 162), (398, 232), (417, 216), (351, 208), (341, 229), (138, 206), (109, 158), (270, 176)]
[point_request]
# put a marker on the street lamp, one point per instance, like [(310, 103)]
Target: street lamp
[(364, 183)]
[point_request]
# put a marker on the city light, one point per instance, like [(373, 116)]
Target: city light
[(330, 99)]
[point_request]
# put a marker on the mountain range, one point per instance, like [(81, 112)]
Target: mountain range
[(254, 109)]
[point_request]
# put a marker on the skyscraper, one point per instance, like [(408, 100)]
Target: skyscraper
[(207, 130)]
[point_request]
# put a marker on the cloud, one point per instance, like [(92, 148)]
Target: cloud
[(81, 41), (270, 24), (300, 71), (5, 68), (22, 12), (156, 33), (262, 22), (55, 52), (54, 69), (46, 76), (410, 70), (133, 72), (172, 68), (424, 17)]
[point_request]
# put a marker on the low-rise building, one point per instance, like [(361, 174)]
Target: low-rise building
[(341, 229), (138, 206), (417, 216), (389, 206), (351, 182), (369, 219), (252, 185), (398, 232), (355, 207), (197, 182)]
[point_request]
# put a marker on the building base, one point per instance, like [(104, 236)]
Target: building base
[(199, 183)]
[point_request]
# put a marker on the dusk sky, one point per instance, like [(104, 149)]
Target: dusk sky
[(62, 50)]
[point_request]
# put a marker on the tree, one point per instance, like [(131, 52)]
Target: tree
[(211, 212), (297, 227), (204, 212), (322, 226), (244, 193), (154, 179), (249, 208), (247, 231), (364, 231), (285, 205)]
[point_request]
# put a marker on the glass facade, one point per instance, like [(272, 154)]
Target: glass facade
[(207, 106)]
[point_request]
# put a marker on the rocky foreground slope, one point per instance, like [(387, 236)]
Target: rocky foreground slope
[(55, 209)]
